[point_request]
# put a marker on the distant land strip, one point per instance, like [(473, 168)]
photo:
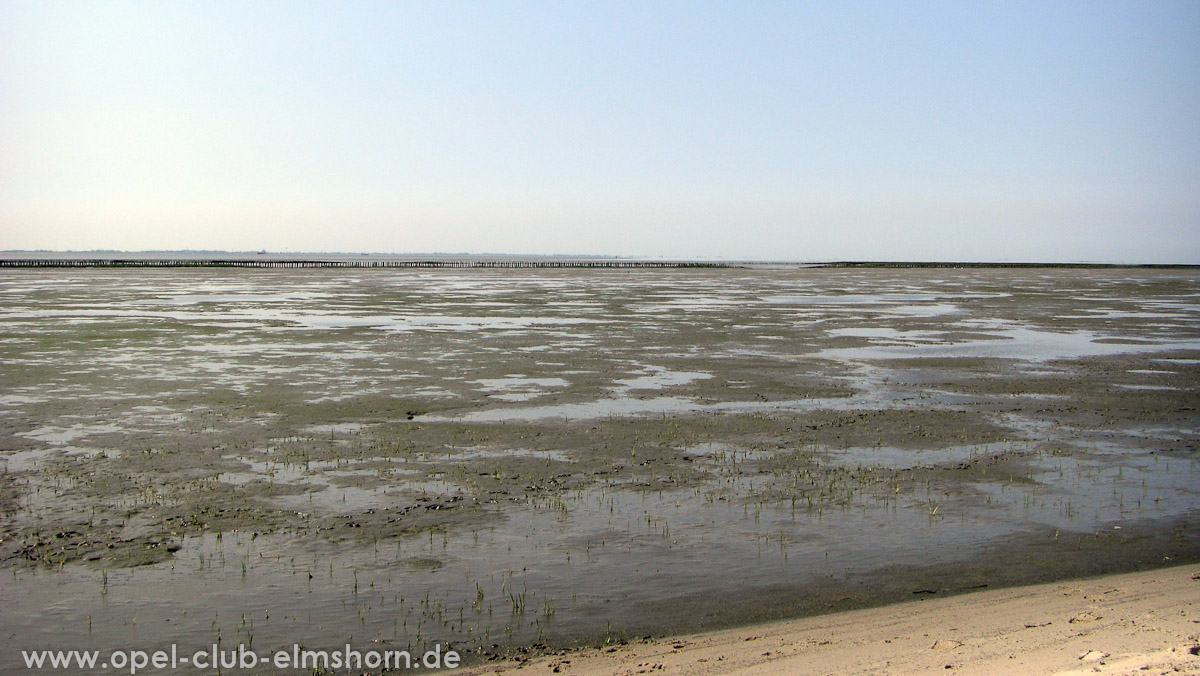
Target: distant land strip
[(936, 264), (301, 263), (349, 262)]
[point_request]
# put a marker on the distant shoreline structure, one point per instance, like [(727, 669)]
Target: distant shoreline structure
[(261, 259), (337, 263)]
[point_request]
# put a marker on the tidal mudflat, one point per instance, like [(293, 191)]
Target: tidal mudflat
[(504, 460)]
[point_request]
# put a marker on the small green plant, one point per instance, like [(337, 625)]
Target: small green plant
[(518, 602)]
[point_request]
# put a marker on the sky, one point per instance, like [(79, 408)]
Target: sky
[(987, 131)]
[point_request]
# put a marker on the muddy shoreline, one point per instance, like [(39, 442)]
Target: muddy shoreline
[(499, 460)]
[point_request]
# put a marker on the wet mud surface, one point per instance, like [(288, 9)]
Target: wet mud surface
[(504, 459)]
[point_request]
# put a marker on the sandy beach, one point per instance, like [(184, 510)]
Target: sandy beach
[(1136, 623)]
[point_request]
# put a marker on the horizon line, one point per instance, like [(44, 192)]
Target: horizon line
[(218, 257)]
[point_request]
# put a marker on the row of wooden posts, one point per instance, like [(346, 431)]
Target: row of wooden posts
[(276, 263)]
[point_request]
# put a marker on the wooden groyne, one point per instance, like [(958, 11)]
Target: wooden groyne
[(316, 263)]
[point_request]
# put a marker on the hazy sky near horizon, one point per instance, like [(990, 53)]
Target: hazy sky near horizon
[(767, 130)]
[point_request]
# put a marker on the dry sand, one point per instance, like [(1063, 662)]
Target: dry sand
[(1137, 623)]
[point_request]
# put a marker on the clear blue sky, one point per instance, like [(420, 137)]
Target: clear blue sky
[(807, 131)]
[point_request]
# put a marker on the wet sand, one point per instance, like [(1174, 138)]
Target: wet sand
[(512, 462), (1136, 623)]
